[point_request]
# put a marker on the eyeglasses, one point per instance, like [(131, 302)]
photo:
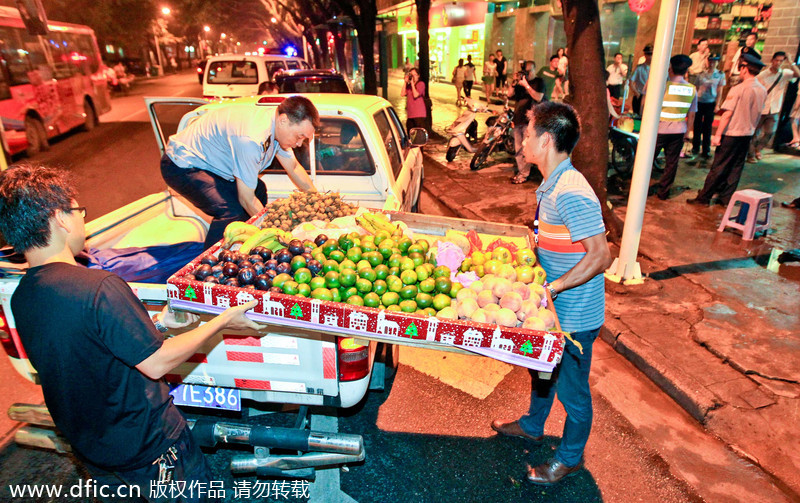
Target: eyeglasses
[(82, 209)]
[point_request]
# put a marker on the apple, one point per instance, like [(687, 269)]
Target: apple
[(525, 256), (492, 266), (502, 254), (525, 274)]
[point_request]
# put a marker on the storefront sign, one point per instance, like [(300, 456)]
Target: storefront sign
[(446, 16)]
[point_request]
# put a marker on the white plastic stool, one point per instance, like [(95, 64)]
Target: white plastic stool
[(746, 219)]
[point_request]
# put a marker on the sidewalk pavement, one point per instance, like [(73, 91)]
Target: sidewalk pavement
[(717, 323)]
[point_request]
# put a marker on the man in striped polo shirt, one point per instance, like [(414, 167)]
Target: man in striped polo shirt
[(573, 251), (677, 111)]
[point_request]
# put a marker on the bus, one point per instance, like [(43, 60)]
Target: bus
[(49, 84)]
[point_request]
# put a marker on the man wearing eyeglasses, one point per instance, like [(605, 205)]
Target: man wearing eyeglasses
[(98, 355), (215, 161)]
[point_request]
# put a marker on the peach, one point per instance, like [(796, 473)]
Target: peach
[(466, 307), (534, 323), (512, 301), (447, 313), (479, 315), (529, 308), (490, 282), (502, 287), (506, 317), (476, 286), (486, 297), (491, 311), (537, 289), (547, 317), (522, 289), (466, 293), (508, 272)]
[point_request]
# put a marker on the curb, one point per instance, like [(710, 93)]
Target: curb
[(689, 394)]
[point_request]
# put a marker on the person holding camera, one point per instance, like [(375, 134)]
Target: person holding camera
[(527, 90), (414, 92)]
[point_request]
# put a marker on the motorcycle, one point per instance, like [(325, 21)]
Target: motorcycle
[(500, 135), (464, 130)]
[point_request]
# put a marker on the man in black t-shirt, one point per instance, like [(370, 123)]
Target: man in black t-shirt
[(501, 61), (98, 354), (527, 90)]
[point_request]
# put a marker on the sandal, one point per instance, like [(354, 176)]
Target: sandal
[(519, 179)]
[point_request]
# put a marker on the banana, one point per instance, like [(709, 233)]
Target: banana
[(379, 222), (258, 239), (366, 224), (236, 232)]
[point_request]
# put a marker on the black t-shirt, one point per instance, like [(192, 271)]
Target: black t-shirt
[(501, 66), (524, 102), (85, 331)]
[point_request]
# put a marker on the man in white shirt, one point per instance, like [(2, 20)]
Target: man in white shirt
[(749, 48), (699, 59), (774, 78), (617, 73)]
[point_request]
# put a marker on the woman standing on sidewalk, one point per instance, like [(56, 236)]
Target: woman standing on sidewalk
[(459, 73), (489, 75)]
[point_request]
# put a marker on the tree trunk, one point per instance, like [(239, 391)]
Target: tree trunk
[(587, 89), (423, 38), (365, 24), (339, 44)]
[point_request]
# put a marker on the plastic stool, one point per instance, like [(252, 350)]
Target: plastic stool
[(746, 219)]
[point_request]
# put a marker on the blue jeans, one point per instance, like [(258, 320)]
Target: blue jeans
[(571, 383), (212, 194), (189, 466)]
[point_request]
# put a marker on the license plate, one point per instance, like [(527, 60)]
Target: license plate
[(195, 395)]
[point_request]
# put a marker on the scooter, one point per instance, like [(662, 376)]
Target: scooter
[(500, 135), (464, 130)]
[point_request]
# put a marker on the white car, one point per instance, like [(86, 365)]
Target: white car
[(236, 75), (361, 148)]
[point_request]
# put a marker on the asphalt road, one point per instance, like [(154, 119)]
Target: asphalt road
[(427, 435)]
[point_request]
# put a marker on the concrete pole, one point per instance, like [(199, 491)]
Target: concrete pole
[(158, 53), (625, 268)]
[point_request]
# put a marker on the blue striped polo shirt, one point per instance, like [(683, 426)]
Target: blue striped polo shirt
[(569, 211)]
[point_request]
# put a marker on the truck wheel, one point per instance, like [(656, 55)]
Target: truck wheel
[(36, 136), (90, 120), (479, 159)]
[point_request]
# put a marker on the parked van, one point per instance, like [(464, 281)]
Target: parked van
[(236, 75)]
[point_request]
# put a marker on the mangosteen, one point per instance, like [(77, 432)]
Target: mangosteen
[(245, 263), (258, 250), (255, 257), (275, 289), (319, 240), (211, 279), (266, 253), (271, 264), (263, 282), (284, 256), (237, 257), (296, 247), (314, 266), (202, 271), (230, 269), (307, 256), (232, 282), (225, 256), (217, 271), (210, 260), (259, 268), (246, 275), (308, 249), (189, 276), (284, 267), (270, 273)]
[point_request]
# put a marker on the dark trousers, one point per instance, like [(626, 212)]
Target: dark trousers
[(703, 120), (615, 90), (413, 122), (726, 169), (212, 194), (672, 145), (468, 88), (636, 104), (571, 383), (189, 466)]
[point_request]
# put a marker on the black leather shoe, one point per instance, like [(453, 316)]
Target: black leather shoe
[(551, 472), (697, 201), (513, 429)]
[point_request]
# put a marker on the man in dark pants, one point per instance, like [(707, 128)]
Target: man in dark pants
[(215, 161), (678, 109), (709, 87), (98, 355), (742, 111), (574, 254), (501, 62)]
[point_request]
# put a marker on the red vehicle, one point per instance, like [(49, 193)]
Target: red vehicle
[(49, 84)]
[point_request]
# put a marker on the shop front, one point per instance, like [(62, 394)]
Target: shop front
[(456, 31)]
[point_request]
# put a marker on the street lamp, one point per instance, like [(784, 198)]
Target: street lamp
[(165, 11), (274, 20)]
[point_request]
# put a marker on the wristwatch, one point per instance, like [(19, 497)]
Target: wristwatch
[(159, 326), (553, 293)]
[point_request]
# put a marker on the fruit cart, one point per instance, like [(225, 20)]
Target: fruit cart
[(535, 349)]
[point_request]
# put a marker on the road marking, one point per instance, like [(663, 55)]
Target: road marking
[(475, 375)]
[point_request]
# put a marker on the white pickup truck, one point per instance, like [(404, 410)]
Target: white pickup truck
[(361, 151)]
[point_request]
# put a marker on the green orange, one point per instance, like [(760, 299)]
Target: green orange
[(372, 300), (347, 277)]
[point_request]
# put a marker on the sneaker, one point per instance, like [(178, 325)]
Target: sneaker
[(758, 156), (751, 159)]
